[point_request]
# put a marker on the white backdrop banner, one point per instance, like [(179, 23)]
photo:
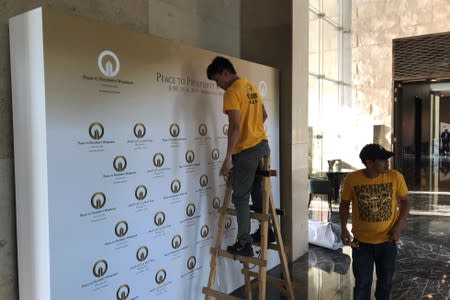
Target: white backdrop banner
[(133, 139)]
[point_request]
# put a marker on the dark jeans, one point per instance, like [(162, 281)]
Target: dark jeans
[(364, 257), (245, 182)]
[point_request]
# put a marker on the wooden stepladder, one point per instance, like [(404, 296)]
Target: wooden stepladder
[(269, 213)]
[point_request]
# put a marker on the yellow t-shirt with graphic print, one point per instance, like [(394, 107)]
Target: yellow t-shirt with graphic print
[(374, 204), (244, 96)]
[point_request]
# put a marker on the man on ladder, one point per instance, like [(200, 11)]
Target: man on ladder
[(247, 145)]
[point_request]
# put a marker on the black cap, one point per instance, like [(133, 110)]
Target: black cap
[(373, 152)]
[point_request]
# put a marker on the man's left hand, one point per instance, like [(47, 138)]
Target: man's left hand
[(226, 167)]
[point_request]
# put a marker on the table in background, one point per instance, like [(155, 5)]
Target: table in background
[(336, 178)]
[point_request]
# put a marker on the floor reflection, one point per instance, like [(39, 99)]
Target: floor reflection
[(423, 265)]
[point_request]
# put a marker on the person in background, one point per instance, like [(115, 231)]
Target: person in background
[(380, 206), (247, 145), (445, 138)]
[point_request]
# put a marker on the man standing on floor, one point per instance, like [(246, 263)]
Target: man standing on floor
[(380, 206), (247, 145)]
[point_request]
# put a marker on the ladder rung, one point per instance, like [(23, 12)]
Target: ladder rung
[(278, 211), (217, 294), (278, 282), (253, 215), (272, 246), (266, 173), (248, 259)]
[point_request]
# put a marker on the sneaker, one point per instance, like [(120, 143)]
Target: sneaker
[(239, 249), (256, 236)]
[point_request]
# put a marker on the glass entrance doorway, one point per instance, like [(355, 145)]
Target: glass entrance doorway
[(422, 114)]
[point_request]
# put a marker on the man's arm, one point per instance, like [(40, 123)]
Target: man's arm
[(344, 212), (264, 113), (404, 204), (234, 119)]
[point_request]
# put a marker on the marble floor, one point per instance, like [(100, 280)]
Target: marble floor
[(423, 262)]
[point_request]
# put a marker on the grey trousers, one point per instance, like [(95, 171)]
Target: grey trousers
[(244, 182)]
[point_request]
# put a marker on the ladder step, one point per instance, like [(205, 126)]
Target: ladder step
[(253, 215), (217, 294), (280, 284), (247, 259), (266, 173), (278, 211)]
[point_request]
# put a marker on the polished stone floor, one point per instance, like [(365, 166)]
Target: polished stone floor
[(423, 262)]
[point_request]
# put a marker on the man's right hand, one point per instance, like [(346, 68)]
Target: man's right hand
[(345, 236)]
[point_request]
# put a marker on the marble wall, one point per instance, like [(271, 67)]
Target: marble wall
[(212, 25), (375, 23)]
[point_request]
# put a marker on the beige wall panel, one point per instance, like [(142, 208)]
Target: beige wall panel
[(212, 25)]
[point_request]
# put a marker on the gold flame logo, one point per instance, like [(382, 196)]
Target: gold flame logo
[(203, 180), (96, 130), (202, 129), (121, 228), (160, 218), (215, 154), (98, 200), (216, 203), (139, 130), (140, 192), (174, 130), (100, 268), (189, 156), (204, 231), (160, 276), (120, 163), (158, 160), (123, 292), (190, 209), (176, 241), (228, 223), (191, 262), (175, 186), (142, 253)]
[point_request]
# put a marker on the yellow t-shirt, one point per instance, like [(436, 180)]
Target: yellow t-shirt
[(244, 96), (374, 204)]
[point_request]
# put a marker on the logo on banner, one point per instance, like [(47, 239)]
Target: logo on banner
[(189, 156), (98, 200), (121, 228), (204, 231), (190, 209), (160, 276), (215, 154), (142, 253), (216, 203), (100, 268), (120, 163), (203, 129), (141, 192), (175, 186), (203, 180), (139, 130), (108, 63), (96, 130), (191, 262), (262, 87), (159, 218), (174, 130), (123, 292), (225, 129), (228, 223), (176, 241), (158, 160)]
